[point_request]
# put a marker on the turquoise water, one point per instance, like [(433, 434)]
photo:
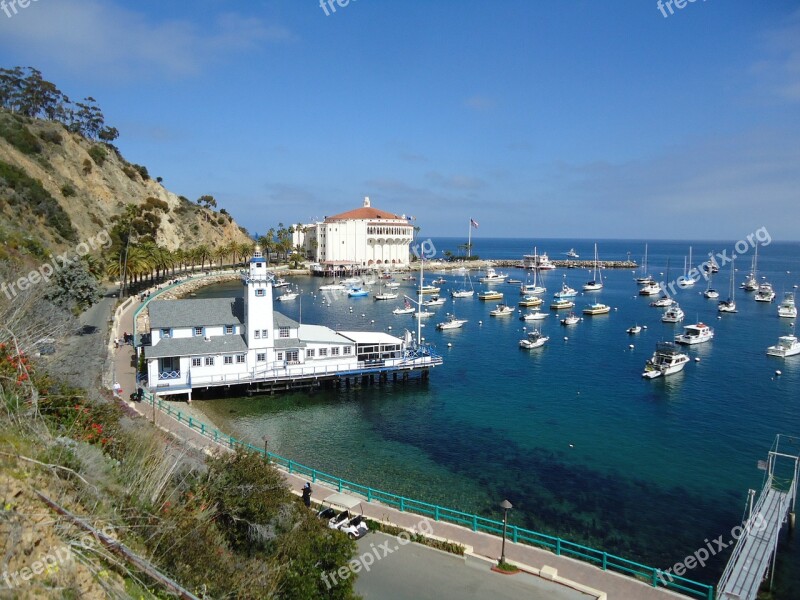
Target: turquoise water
[(571, 434)]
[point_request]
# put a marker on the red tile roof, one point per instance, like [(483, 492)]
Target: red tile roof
[(363, 213)]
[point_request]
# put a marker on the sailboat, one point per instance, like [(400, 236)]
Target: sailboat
[(597, 281), (645, 278), (463, 292), (729, 305), (384, 295), (710, 292), (751, 283), (687, 281), (452, 322), (333, 285), (532, 289)]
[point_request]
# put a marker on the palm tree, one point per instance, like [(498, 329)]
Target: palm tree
[(245, 250), (220, 252), (203, 254)]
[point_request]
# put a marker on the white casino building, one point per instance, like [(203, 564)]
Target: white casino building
[(366, 237), (205, 343)]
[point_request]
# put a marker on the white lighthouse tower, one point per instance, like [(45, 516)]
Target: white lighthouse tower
[(258, 304)]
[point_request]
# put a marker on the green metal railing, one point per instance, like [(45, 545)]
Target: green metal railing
[(557, 545)]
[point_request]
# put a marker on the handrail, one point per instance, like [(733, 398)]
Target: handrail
[(559, 546)]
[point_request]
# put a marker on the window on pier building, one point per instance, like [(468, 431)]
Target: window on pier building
[(228, 329), (284, 332), (227, 360), (280, 356), (240, 358), (197, 361), (348, 350), (323, 352), (209, 361), (198, 331), (264, 333), (310, 353), (292, 356), (335, 351), (165, 333), (260, 292), (257, 334), (261, 357)]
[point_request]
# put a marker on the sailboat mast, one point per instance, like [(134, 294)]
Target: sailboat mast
[(419, 298)]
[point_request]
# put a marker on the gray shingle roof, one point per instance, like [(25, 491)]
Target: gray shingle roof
[(201, 312), (289, 343), (282, 320), (222, 344)]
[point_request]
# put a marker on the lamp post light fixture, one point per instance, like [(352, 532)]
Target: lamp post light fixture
[(266, 443), (506, 506)]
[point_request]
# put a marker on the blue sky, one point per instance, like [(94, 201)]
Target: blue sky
[(575, 119)]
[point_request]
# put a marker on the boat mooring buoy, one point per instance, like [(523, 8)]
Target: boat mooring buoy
[(696, 359), (565, 338), (631, 346), (480, 322), (778, 373), (449, 344)]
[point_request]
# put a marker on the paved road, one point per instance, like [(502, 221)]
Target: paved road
[(415, 572)]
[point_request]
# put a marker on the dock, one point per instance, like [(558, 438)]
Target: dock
[(753, 558)]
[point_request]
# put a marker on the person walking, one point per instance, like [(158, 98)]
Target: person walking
[(307, 494)]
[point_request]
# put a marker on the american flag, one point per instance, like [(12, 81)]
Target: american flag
[(474, 223)]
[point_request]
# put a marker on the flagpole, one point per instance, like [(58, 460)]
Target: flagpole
[(469, 239)]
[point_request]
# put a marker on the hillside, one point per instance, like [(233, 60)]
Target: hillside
[(83, 186)]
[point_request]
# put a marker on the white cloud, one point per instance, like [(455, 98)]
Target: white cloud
[(104, 40), (778, 71)]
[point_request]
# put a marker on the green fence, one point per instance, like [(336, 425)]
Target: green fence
[(559, 546)]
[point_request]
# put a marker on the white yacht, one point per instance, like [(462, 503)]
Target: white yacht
[(533, 289), (534, 340), (537, 261), (695, 334), (429, 289), (650, 288), (729, 305), (634, 330), (565, 293), (406, 310), (434, 301), (562, 304), (597, 280), (534, 315), (451, 323), (331, 287), (788, 345), (531, 301), (572, 254), (490, 295), (386, 296), (285, 297), (464, 291), (570, 319), (393, 285), (280, 283), (765, 292), (666, 360), (663, 302), (502, 310), (787, 307), (674, 314), (493, 276), (424, 314)]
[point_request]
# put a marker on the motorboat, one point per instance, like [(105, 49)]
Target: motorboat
[(788, 345), (531, 301), (695, 334), (329, 287), (765, 292), (429, 289), (462, 293), (663, 302), (650, 289), (570, 319), (439, 281), (451, 323), (535, 339), (572, 253), (406, 310), (634, 330), (351, 281), (357, 292), (565, 292), (674, 314), (385, 296), (666, 360), (490, 295), (597, 280), (787, 307), (393, 285), (285, 297), (562, 304), (534, 315), (280, 283), (502, 310), (424, 314), (516, 281), (493, 276), (434, 301), (537, 261), (597, 308)]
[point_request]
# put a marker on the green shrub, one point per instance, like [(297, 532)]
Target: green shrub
[(142, 170), (130, 172), (98, 154), (19, 136), (30, 193), (51, 136), (67, 190), (87, 166)]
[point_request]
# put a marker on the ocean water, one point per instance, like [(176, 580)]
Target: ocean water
[(582, 446)]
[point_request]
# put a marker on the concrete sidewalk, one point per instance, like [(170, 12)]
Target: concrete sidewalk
[(578, 575)]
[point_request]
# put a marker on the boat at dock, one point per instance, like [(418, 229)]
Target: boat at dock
[(666, 360)]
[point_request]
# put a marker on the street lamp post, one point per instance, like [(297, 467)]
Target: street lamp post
[(506, 506), (266, 442)]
